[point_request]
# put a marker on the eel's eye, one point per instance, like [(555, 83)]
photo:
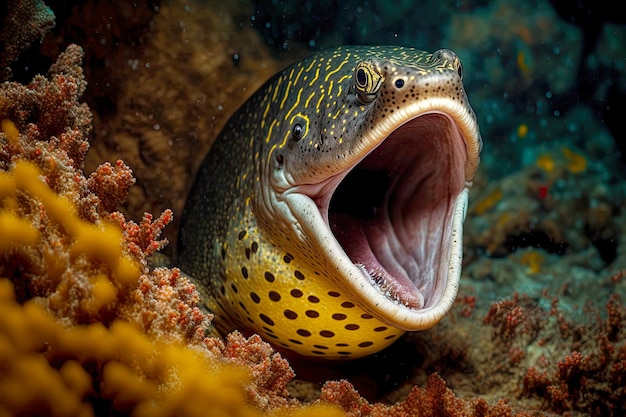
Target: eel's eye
[(399, 83), (300, 126), (367, 81), (297, 131)]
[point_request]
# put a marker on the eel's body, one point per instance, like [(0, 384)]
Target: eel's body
[(328, 215)]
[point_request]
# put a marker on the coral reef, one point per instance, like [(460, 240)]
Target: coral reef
[(49, 369), (590, 378), (560, 202), (89, 323)]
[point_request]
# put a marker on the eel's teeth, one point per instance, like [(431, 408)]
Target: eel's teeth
[(379, 282)]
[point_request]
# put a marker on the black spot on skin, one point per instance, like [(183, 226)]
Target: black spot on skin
[(223, 253), (327, 333), (390, 337), (254, 247), (223, 290), (333, 293), (352, 326), (347, 304), (269, 277), (341, 344), (234, 287), (241, 235), (291, 315), (339, 316), (320, 347), (366, 316), (365, 344), (248, 253), (312, 313), (266, 319), (299, 275), (296, 293), (295, 342), (255, 297), (303, 333), (244, 272), (288, 258), (380, 329), (274, 296), (313, 299), (344, 353), (317, 352)]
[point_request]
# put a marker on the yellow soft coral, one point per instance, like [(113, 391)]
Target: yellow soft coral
[(48, 369), (16, 230), (10, 131), (100, 242)]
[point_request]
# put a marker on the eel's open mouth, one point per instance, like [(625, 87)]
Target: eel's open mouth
[(393, 213)]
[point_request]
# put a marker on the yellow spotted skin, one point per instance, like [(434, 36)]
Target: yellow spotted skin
[(255, 267), (290, 304)]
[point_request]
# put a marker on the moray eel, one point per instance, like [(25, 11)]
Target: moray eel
[(328, 215)]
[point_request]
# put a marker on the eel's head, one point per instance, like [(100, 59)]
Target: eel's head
[(374, 182)]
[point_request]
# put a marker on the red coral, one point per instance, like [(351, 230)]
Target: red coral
[(615, 319), (270, 371), (515, 319), (54, 127), (143, 239), (436, 399), (467, 305), (165, 305), (590, 378), (111, 184)]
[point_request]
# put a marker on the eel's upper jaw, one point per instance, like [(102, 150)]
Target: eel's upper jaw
[(392, 225)]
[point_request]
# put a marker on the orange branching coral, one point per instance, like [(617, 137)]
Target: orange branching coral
[(270, 371), (111, 183), (433, 400)]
